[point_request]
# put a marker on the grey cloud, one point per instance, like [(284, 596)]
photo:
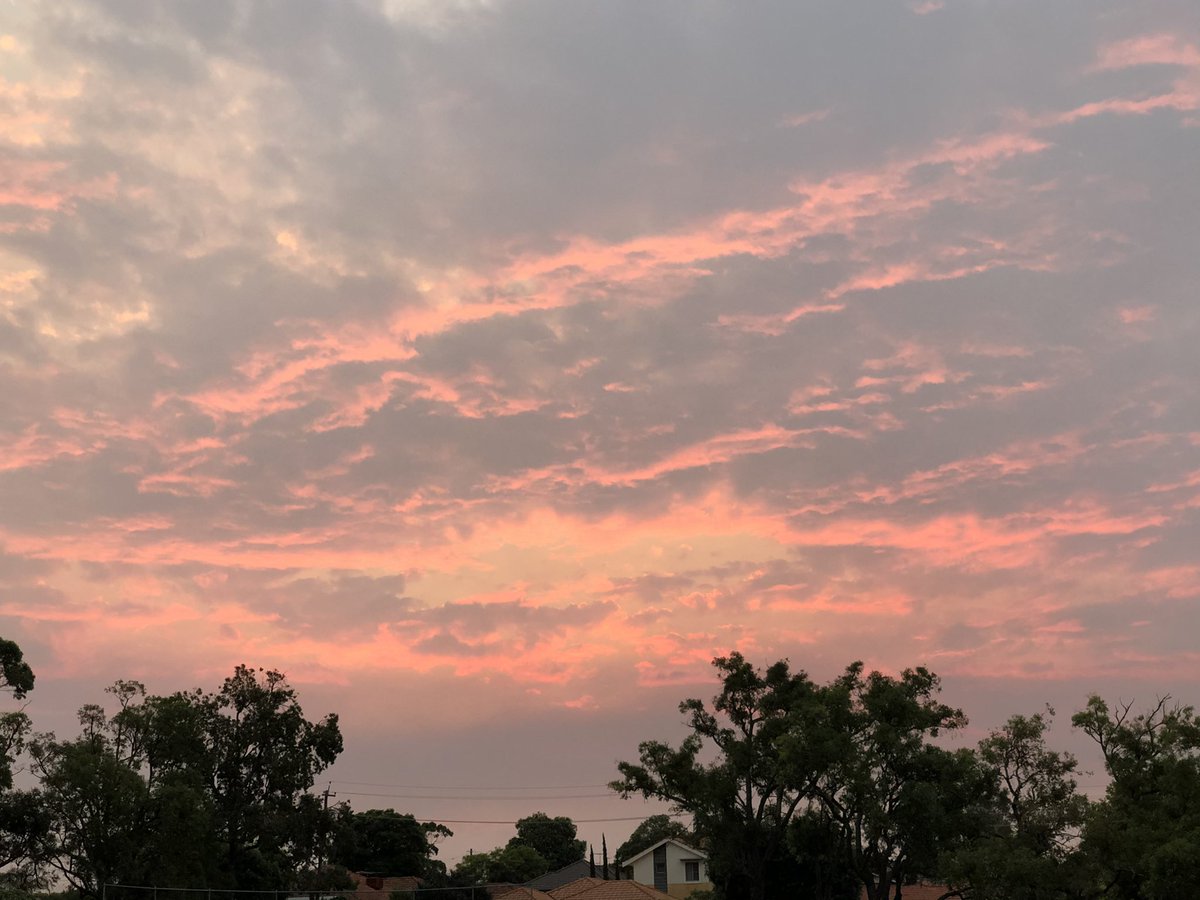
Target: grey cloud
[(394, 151)]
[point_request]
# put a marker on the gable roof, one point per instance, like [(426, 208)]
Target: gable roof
[(697, 853), (599, 889)]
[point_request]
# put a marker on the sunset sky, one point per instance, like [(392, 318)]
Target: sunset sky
[(489, 367)]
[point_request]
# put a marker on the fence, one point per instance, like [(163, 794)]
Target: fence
[(150, 892)]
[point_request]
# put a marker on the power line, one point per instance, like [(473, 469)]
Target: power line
[(345, 793), (512, 822), (457, 787)]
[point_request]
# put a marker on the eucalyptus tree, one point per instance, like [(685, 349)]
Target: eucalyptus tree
[(1145, 835), (190, 789), (898, 800), (24, 823), (1028, 848), (729, 775)]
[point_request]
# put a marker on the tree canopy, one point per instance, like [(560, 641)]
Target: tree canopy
[(192, 789), (24, 821), (1145, 836), (385, 842), (743, 803), (553, 839), (897, 799), (1027, 845), (15, 674), (832, 791)]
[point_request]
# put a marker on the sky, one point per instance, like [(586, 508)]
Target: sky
[(489, 367)]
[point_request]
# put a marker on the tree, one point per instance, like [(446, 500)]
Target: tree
[(96, 800), (24, 823), (386, 842), (817, 789), (191, 789), (265, 758), (553, 839), (1029, 847), (1145, 836), (513, 864), (897, 800), (743, 803), (17, 678), (472, 869), (15, 674), (652, 830)]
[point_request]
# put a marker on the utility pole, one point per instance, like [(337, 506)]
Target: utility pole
[(325, 795)]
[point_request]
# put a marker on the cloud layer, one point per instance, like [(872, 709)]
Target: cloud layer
[(536, 353)]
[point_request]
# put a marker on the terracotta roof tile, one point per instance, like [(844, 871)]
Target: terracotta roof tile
[(364, 885), (598, 889), (918, 892), (518, 892)]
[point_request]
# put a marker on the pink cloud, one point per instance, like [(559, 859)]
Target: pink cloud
[(1135, 315), (1163, 49), (925, 7), (801, 119)]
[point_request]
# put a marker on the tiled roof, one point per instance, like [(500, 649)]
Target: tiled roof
[(517, 892), (598, 889), (370, 886), (917, 892), (571, 888)]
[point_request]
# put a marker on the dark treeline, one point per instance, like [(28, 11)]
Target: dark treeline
[(214, 792), (841, 790), (192, 789), (793, 788)]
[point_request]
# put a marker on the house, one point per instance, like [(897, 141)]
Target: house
[(368, 885), (599, 889), (672, 867)]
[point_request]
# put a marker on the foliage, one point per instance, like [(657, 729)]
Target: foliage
[(24, 823), (897, 799), (386, 842), (192, 789), (472, 869), (816, 787), (1029, 847), (513, 864), (97, 803), (650, 832), (1145, 836), (265, 757), (15, 674), (743, 803), (553, 839)]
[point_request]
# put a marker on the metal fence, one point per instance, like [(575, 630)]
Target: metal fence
[(150, 892)]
